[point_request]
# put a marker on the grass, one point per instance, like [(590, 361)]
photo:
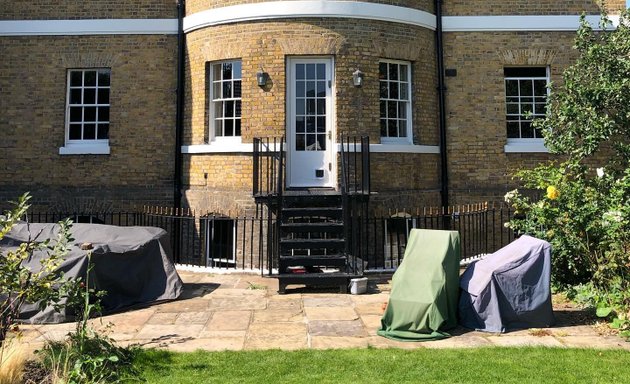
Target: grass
[(12, 360), (481, 365)]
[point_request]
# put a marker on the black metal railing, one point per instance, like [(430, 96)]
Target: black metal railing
[(355, 165), (268, 166), (376, 242)]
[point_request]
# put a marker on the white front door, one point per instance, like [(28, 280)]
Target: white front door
[(310, 161)]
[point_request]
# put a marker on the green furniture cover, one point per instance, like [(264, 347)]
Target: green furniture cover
[(425, 288)]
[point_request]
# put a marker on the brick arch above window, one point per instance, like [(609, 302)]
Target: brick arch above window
[(89, 60), (524, 57)]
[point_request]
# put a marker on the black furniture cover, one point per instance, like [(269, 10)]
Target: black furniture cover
[(132, 264), (509, 289)]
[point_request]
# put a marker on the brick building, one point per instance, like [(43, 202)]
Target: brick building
[(95, 112)]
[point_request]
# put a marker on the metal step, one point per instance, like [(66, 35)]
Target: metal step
[(312, 212), (300, 227), (332, 244), (312, 261)]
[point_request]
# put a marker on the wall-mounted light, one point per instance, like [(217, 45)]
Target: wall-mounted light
[(357, 78), (262, 77)]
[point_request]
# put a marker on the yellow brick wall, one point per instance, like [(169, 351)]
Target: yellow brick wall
[(479, 168), (78, 9), (142, 130), (528, 7)]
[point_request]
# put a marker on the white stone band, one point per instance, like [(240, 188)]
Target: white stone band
[(248, 148), (308, 8), (519, 23), (88, 27)]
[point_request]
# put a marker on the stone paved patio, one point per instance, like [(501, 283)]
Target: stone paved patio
[(244, 312)]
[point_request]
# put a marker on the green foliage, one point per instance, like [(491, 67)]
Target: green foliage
[(585, 210), (20, 284), (88, 356)]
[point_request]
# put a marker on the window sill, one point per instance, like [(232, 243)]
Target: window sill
[(219, 146), (525, 146), (85, 149)]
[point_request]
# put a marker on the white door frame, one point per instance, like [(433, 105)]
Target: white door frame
[(305, 167)]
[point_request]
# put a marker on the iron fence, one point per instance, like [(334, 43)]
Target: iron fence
[(379, 241)]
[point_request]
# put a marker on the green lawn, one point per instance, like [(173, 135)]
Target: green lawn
[(484, 365)]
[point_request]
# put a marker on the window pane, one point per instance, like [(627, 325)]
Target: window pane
[(237, 112), (525, 72), (103, 131), (218, 109), (216, 72), (236, 70), (321, 89), (237, 89), (299, 124), (237, 127), (75, 96), (321, 142), (527, 131), (103, 96), (76, 114), (511, 88), (227, 90), (392, 128), (310, 124), (383, 127), (89, 114), (227, 71), (300, 89), (541, 108), (526, 87), (310, 106), (392, 107), (103, 113), (321, 124), (512, 108), (76, 78), (512, 130), (300, 142), (228, 127), (402, 128), (299, 107), (384, 92), (89, 131), (229, 109), (540, 87), (403, 72), (321, 106), (393, 90), (404, 93), (103, 78), (89, 96), (299, 71), (321, 71), (393, 71), (383, 108), (310, 71), (526, 109), (75, 132), (382, 71), (538, 133), (90, 78), (402, 110), (310, 89), (218, 127)]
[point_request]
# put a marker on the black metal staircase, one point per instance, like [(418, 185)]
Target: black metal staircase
[(311, 236)]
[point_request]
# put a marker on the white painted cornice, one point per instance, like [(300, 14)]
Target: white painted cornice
[(308, 8), (88, 27), (519, 23)]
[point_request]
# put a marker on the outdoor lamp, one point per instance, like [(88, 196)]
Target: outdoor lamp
[(357, 78), (261, 78)]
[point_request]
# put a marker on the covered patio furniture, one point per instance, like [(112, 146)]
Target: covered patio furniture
[(423, 300), (509, 289)]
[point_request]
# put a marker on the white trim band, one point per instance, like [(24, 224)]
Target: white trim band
[(519, 23), (309, 8), (85, 149), (88, 27), (249, 148)]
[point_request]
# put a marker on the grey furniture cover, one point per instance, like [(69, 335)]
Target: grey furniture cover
[(132, 264), (509, 289)]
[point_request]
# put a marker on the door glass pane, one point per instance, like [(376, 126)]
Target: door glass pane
[(321, 71), (299, 124), (321, 141), (310, 71), (299, 71)]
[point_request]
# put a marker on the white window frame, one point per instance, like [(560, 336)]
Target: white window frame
[(408, 139), (233, 140), (86, 146), (514, 144)]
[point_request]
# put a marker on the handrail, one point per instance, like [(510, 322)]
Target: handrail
[(268, 166)]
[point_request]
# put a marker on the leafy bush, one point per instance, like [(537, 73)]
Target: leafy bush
[(585, 210)]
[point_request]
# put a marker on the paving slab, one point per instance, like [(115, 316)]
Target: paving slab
[(209, 344), (193, 318), (155, 331), (288, 336), (189, 305), (330, 313), (352, 328), (372, 323), (521, 341), (604, 342), (284, 302), (327, 301), (279, 315), (163, 318), (236, 302), (229, 321)]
